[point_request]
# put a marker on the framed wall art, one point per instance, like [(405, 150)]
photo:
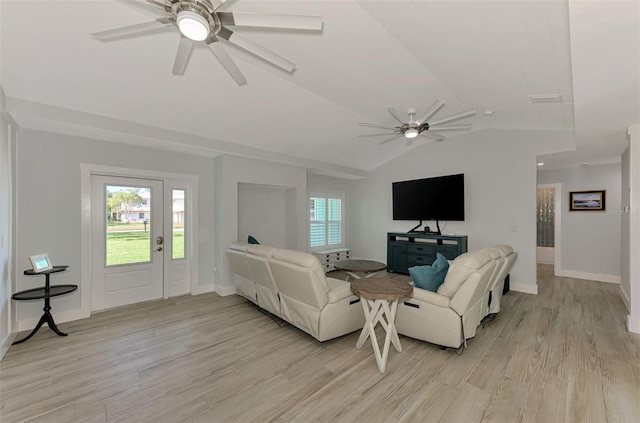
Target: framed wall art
[(587, 200)]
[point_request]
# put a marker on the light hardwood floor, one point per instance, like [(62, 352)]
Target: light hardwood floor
[(563, 355)]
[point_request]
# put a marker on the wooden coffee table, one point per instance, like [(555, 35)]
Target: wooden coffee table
[(368, 267), (379, 298)]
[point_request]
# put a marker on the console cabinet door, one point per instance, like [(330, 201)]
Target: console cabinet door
[(397, 257)]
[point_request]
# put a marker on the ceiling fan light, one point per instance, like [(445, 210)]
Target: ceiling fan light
[(411, 133), (193, 26)]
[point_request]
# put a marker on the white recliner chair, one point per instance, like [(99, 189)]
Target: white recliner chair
[(509, 256), (323, 307), (258, 257), (451, 315), (242, 277)]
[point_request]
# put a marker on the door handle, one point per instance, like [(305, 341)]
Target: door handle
[(159, 249)]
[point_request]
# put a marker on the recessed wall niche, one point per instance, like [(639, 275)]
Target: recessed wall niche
[(268, 213)]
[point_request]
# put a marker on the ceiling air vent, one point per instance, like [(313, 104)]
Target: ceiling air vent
[(546, 98)]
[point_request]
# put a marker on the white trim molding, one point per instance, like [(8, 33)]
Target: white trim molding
[(625, 299), (6, 344), (524, 288), (61, 317), (588, 276), (88, 169), (633, 320)]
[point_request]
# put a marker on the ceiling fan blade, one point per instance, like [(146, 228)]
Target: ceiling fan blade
[(437, 105), (432, 135), (217, 4), (227, 62), (159, 3), (182, 56), (395, 137), (377, 135), (254, 48), (375, 125), (145, 7), (313, 23), (457, 116), (461, 127), (395, 114), (130, 31)]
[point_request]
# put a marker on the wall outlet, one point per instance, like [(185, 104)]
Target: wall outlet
[(215, 269)]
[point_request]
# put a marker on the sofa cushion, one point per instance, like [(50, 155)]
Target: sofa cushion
[(238, 246), (460, 269), (265, 251), (505, 250), (432, 276), (339, 290)]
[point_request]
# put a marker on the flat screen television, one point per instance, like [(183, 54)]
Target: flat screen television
[(439, 198)]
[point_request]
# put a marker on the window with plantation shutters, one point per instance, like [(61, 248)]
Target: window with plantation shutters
[(325, 220)]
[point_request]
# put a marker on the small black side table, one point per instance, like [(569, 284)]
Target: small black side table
[(44, 293)]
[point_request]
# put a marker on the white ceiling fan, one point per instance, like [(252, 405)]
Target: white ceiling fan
[(412, 128), (203, 21)]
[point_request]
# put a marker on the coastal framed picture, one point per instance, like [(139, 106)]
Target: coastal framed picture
[(587, 200)]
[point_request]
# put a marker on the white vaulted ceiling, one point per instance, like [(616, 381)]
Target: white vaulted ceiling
[(370, 55)]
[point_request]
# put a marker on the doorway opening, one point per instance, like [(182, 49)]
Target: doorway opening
[(548, 214)]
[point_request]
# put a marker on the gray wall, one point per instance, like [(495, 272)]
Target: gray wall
[(625, 228), (49, 204), (8, 136), (500, 193), (231, 172), (263, 214), (590, 240)]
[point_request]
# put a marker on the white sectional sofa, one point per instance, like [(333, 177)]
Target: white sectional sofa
[(471, 290), (292, 285)]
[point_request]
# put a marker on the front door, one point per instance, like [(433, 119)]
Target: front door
[(127, 241)]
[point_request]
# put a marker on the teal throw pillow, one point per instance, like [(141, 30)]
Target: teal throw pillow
[(252, 240), (430, 277)]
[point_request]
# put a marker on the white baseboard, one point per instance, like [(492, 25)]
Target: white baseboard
[(58, 317), (625, 299), (224, 291), (526, 288), (633, 325), (202, 289), (588, 276), (6, 344)]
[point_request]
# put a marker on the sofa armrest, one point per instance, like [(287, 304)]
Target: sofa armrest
[(339, 290), (430, 297)]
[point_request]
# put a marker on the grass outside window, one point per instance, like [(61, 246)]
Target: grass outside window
[(133, 246)]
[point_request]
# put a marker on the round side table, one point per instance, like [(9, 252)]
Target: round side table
[(380, 302), (46, 293)]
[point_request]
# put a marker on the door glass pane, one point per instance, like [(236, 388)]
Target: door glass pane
[(178, 224), (546, 217), (128, 225)]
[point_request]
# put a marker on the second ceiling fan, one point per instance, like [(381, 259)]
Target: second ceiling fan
[(412, 128), (203, 21)]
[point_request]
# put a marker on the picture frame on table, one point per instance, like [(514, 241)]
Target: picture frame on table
[(594, 200), (40, 263)]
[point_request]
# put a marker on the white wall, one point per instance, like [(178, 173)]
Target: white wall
[(49, 207), (500, 193), (590, 240), (232, 171), (633, 248), (625, 230), (8, 135), (254, 203)]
